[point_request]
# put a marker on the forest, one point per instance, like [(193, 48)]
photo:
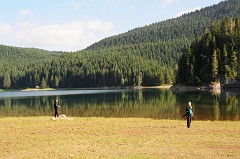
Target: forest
[(144, 56), (214, 57)]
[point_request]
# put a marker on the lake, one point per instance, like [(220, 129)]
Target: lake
[(143, 103)]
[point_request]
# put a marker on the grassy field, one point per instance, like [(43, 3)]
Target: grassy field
[(90, 138)]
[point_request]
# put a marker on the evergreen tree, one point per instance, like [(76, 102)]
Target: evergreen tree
[(56, 81), (161, 78), (6, 81), (43, 83), (234, 64), (214, 71), (168, 78)]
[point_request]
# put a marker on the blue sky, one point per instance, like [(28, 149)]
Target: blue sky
[(71, 25)]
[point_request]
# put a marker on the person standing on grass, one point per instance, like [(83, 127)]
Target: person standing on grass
[(189, 114), (56, 106)]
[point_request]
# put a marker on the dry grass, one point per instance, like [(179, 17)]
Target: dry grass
[(39, 137), (38, 89)]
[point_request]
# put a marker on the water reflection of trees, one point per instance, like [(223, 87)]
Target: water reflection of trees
[(133, 103), (224, 106), (233, 106), (147, 103), (150, 104), (34, 106)]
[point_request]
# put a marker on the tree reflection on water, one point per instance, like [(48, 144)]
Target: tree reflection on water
[(144, 103)]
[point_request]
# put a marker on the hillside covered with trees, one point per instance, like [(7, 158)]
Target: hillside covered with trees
[(214, 57), (16, 62), (164, 40), (143, 56)]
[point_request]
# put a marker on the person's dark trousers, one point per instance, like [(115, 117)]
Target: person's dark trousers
[(56, 113), (189, 120)]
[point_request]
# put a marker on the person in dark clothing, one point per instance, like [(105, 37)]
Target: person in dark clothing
[(56, 106), (188, 114)]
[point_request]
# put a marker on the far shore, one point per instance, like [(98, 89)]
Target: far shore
[(38, 89), (159, 87), (141, 87), (171, 87), (187, 88)]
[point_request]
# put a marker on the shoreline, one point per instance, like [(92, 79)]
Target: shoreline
[(188, 88), (183, 88), (214, 88), (37, 89), (119, 118), (97, 88), (159, 87)]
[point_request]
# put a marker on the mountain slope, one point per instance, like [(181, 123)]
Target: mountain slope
[(186, 26), (15, 62), (12, 54), (174, 34)]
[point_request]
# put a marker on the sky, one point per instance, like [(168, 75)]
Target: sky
[(72, 25)]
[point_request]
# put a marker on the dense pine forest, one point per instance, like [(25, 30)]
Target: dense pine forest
[(143, 56), (214, 57), (16, 63)]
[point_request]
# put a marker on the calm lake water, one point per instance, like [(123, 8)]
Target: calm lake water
[(144, 103)]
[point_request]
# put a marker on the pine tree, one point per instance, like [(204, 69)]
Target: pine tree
[(168, 78), (214, 71), (224, 61), (43, 83), (6, 81), (161, 78), (233, 64)]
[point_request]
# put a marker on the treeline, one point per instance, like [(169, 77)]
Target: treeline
[(16, 62), (105, 67), (215, 56), (93, 69)]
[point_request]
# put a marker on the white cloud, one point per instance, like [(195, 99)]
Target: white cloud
[(25, 12), (114, 1), (166, 2), (76, 5), (187, 11), (69, 36), (4, 29)]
